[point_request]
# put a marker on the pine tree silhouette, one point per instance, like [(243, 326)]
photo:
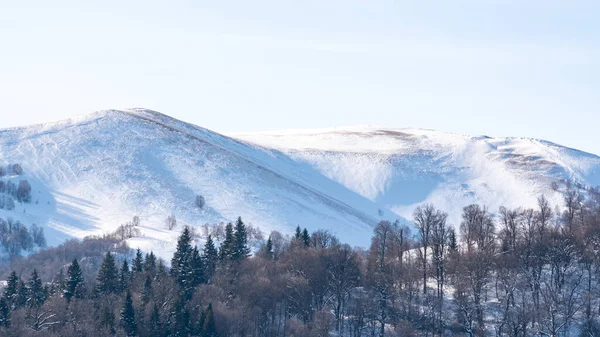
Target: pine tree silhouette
[(36, 294), (240, 250), (228, 245), (74, 281), (127, 316), (108, 276), (137, 265), (124, 276), (4, 313), (210, 258)]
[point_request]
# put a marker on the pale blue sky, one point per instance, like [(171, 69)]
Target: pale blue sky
[(501, 68)]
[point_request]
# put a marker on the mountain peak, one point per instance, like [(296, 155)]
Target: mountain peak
[(91, 173)]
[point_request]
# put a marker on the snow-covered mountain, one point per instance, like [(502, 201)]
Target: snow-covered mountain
[(403, 168), (92, 173)]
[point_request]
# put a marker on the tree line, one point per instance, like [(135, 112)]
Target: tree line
[(519, 272)]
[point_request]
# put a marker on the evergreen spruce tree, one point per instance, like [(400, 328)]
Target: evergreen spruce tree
[(74, 282), (228, 245), (161, 269), (124, 276), (210, 329), (298, 234), (11, 290), (197, 268), (127, 316), (210, 257), (180, 266), (156, 327), (4, 313), (108, 276), (305, 238), (146, 294), (240, 250), (150, 263), (22, 294), (137, 265), (36, 294), (179, 320), (452, 245), (269, 249)]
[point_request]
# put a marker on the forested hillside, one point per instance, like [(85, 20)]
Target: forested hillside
[(523, 272)]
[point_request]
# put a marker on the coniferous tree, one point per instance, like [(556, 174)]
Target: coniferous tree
[(452, 244), (4, 313), (150, 263), (22, 293), (305, 238), (210, 257), (124, 276), (161, 269), (240, 250), (127, 316), (197, 268), (146, 294), (180, 264), (108, 276), (269, 249), (36, 294), (156, 327), (179, 320), (210, 329), (74, 282), (11, 290), (228, 245), (137, 265), (298, 234)]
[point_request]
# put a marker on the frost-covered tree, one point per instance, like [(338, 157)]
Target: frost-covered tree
[(150, 263), (228, 245), (12, 287), (138, 262), (74, 283), (210, 258), (180, 263), (108, 276), (146, 294), (240, 246), (36, 294), (4, 313), (124, 276)]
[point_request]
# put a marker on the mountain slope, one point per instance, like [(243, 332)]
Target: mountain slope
[(93, 173), (403, 168)]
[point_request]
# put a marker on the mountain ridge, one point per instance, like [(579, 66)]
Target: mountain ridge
[(93, 172)]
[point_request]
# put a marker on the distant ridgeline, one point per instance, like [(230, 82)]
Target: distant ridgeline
[(15, 237)]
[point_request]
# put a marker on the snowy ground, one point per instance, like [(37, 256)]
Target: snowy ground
[(404, 168)]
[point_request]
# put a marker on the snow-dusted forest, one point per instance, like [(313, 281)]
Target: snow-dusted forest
[(513, 272)]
